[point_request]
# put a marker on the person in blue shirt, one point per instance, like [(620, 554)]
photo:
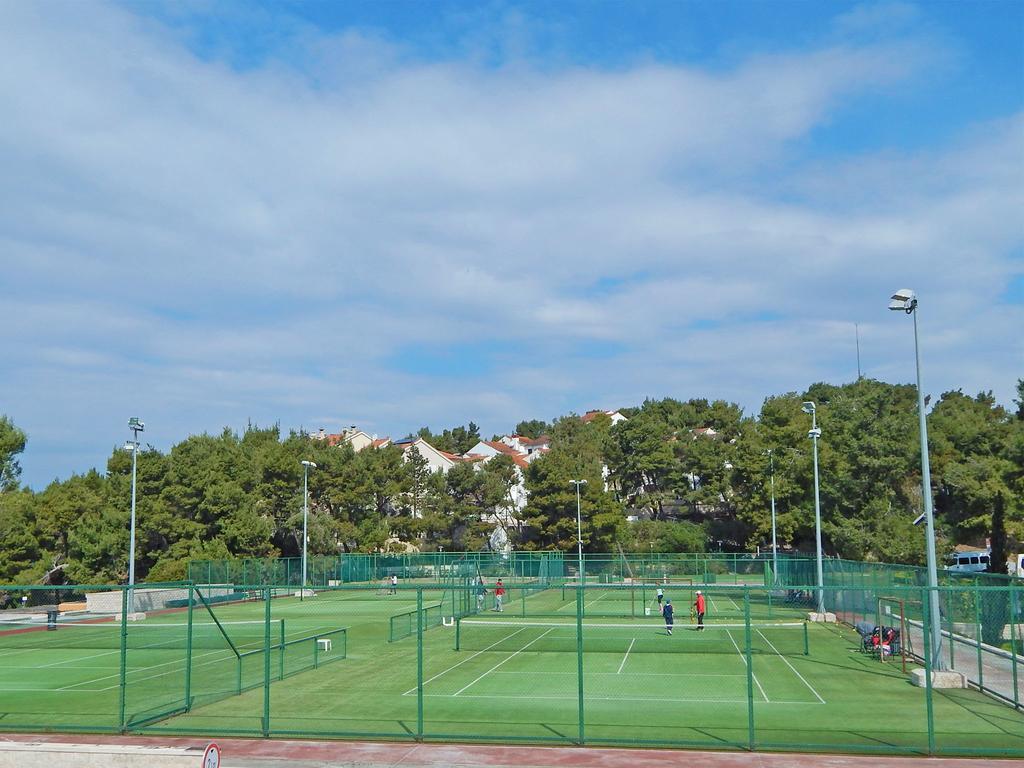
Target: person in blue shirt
[(667, 613)]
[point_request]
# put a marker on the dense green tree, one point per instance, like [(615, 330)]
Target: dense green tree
[(692, 474), (532, 428), (12, 443)]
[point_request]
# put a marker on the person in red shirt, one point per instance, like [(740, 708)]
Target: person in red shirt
[(700, 606), (499, 595)]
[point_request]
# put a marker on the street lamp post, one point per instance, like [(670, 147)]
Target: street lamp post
[(775, 546), (306, 466), (135, 425), (814, 434), (906, 300), (579, 528)]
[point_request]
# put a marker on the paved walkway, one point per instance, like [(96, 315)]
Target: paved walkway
[(86, 751)]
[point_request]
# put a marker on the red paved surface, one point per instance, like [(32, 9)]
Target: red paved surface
[(275, 752)]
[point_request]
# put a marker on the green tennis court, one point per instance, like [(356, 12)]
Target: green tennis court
[(593, 665)]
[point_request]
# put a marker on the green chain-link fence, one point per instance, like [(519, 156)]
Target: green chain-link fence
[(560, 662)]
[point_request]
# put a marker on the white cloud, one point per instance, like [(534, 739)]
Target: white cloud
[(206, 245)]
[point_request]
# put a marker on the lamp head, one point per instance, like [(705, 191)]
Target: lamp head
[(129, 446), (815, 433), (808, 407), (309, 464), (135, 423), (904, 299)]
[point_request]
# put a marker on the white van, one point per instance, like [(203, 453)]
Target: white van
[(1015, 565), (968, 561)]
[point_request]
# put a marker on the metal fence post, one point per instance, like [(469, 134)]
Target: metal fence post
[(750, 669), (977, 634), (579, 658), (951, 610), (926, 612), (419, 664), (123, 693), (1013, 642), (188, 653), (266, 661)]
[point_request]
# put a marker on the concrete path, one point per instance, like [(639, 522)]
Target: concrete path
[(88, 751)]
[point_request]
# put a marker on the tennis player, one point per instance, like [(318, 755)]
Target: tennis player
[(666, 611), (481, 590), (700, 606), (394, 585), (661, 596), (499, 596)]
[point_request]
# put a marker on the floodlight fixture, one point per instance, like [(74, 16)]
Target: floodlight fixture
[(904, 300)]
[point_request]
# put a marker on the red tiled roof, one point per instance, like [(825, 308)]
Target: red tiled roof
[(501, 447), (517, 458), (542, 440)]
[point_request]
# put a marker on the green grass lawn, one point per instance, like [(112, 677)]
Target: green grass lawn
[(512, 681)]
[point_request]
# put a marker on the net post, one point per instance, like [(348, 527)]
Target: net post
[(807, 641), (280, 653), (579, 659), (188, 652), (123, 682), (266, 661), (750, 669), (419, 664)]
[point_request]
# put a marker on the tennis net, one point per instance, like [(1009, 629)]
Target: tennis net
[(782, 638)]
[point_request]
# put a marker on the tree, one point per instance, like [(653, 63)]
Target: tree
[(12, 443), (999, 553), (532, 429)]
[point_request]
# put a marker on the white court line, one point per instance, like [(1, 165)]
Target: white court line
[(626, 656), (4, 689), (507, 658), (744, 659), (178, 669), (703, 700), (684, 675), (791, 666), (459, 664)]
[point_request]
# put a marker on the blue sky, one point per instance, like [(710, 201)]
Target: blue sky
[(402, 214)]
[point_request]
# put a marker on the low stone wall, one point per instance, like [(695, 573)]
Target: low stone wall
[(147, 599)]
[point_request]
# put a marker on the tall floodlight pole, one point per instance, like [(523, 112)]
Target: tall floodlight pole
[(579, 528), (814, 434), (306, 466), (775, 546), (135, 425), (906, 300)]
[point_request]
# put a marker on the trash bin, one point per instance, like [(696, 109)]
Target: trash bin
[(51, 619)]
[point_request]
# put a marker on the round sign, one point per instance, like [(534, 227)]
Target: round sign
[(211, 757)]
